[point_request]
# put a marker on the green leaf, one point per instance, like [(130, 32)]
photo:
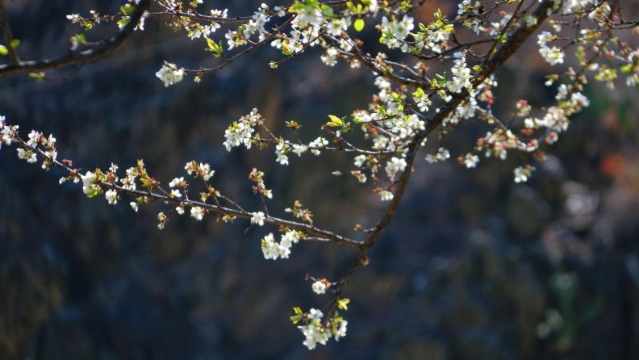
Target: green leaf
[(327, 10), (358, 25), (15, 43), (627, 68), (299, 314), (3, 50), (335, 121), (211, 44), (93, 192), (127, 9), (343, 304), (214, 48), (37, 75), (124, 21)]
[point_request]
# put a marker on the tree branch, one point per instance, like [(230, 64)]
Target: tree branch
[(319, 234), (82, 57), (505, 52)]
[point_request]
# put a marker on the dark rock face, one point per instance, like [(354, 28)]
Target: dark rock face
[(473, 267)]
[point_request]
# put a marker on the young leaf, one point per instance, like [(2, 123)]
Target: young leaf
[(358, 25), (37, 75), (343, 304), (335, 121)]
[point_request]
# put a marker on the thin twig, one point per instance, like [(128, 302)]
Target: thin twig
[(318, 233)]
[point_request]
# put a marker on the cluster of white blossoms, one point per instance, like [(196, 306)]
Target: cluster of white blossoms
[(315, 332), (411, 96), (632, 68), (198, 169), (432, 37), (196, 30), (273, 250), (197, 212), (394, 31), (240, 132), (90, 187), (6, 132), (462, 75), (242, 35), (553, 55), (442, 154), (575, 6), (556, 118), (522, 173), (35, 140), (395, 165)]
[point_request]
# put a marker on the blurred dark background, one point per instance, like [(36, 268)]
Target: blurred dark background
[(474, 266)]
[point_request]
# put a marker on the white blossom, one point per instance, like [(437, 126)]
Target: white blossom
[(341, 330), (111, 196), (386, 195), (241, 131), (258, 218), (170, 74), (319, 287), (395, 165), (471, 161), (176, 182), (89, 183), (197, 213), (280, 150), (317, 144), (523, 173)]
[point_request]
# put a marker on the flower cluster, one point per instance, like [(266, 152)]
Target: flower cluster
[(241, 131), (553, 55), (242, 35), (314, 331), (273, 250), (196, 30), (447, 81), (257, 177), (395, 31)]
